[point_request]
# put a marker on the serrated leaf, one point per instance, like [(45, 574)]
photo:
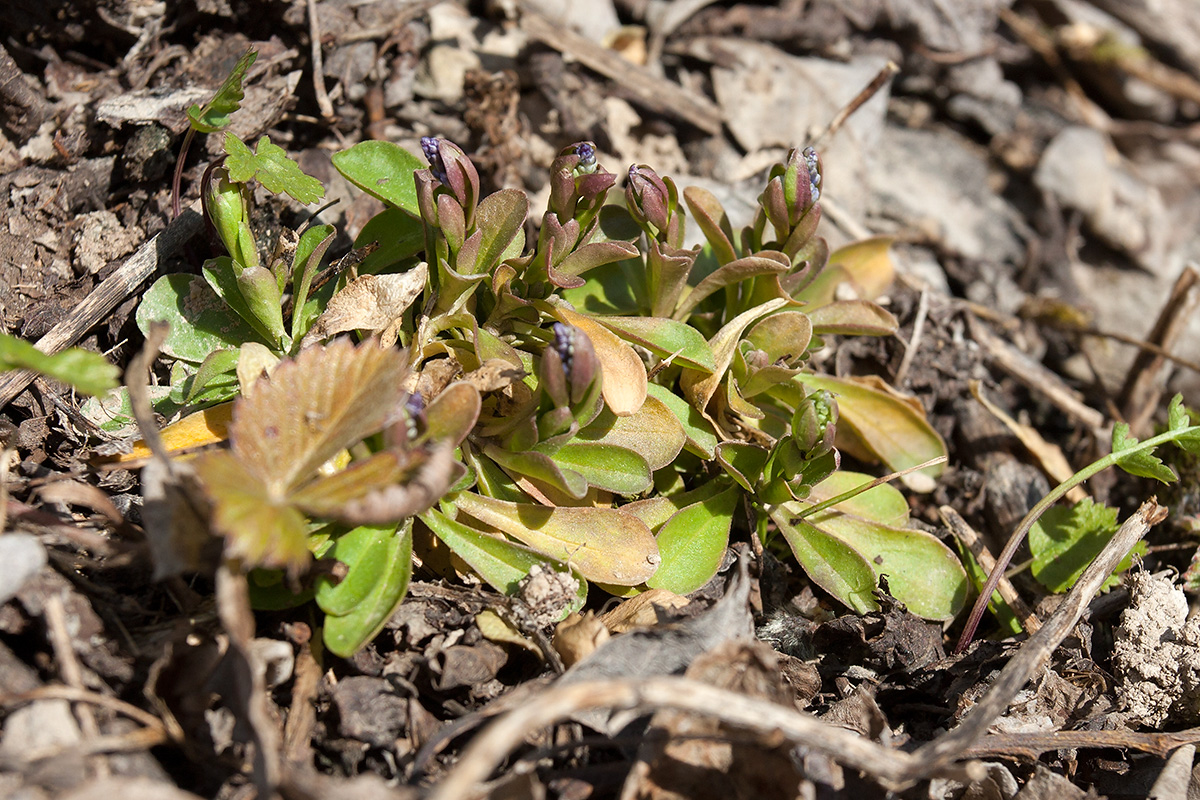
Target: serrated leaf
[(383, 170), (692, 543), (214, 115), (88, 372), (270, 165), (1138, 461), (261, 529), (344, 635), (604, 544), (1066, 540), (311, 408)]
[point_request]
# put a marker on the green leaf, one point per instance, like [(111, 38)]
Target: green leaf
[(852, 318), (999, 609), (606, 466), (500, 218), (540, 467), (652, 432), (604, 544), (700, 434), (1066, 540), (200, 322), (693, 541), (829, 562), (364, 552), (88, 372), (383, 170), (884, 503), (889, 429), (223, 278), (214, 115), (399, 235), (501, 563), (344, 635), (713, 221), (768, 262), (666, 338), (219, 367), (270, 165), (610, 289), (1138, 460), (310, 249), (744, 462)]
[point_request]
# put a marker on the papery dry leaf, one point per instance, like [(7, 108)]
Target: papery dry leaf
[(577, 637), (493, 375), (642, 611), (372, 303)]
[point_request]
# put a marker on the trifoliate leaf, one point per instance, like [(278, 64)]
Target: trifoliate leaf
[(1142, 463), (269, 164), (214, 115), (88, 372), (1065, 540)]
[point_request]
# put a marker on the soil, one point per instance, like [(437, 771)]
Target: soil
[(1037, 162)]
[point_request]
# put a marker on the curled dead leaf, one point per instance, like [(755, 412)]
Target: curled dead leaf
[(372, 303)]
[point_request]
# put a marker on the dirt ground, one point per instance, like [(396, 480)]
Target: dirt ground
[(1038, 163)]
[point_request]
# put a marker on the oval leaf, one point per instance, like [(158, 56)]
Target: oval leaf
[(853, 318), (624, 374), (364, 552), (200, 322), (344, 635), (892, 431), (606, 466), (383, 170), (693, 541), (604, 544), (666, 338), (829, 562), (653, 432)]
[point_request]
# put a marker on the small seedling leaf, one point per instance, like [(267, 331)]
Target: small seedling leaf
[(1136, 460), (270, 165), (1066, 540), (214, 115), (88, 372)]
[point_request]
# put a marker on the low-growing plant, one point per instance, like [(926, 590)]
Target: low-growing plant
[(602, 397)]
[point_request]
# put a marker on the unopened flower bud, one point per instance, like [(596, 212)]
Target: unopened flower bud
[(647, 198), (429, 146)]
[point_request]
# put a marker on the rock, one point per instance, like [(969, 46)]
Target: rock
[(23, 557)]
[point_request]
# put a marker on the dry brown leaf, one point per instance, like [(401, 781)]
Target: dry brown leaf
[(372, 303), (641, 611)]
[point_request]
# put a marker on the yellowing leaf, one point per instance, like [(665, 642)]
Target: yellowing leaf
[(868, 263), (604, 544), (195, 430), (891, 429), (624, 385)]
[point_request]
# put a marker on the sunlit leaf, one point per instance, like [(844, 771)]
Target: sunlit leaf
[(891, 430), (653, 432), (195, 430), (699, 432), (605, 466), (364, 551), (767, 262), (214, 115), (383, 170), (624, 381), (344, 635), (829, 562), (500, 217), (540, 467), (699, 387), (270, 165), (852, 318), (666, 338), (868, 263), (200, 322), (1141, 462), (604, 544), (692, 543), (1067, 539)]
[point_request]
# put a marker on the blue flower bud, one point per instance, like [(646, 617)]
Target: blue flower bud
[(587, 158), (813, 162), (429, 146)]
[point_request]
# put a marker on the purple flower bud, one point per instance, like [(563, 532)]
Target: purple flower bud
[(587, 158), (564, 339), (429, 146), (813, 162), (414, 409)]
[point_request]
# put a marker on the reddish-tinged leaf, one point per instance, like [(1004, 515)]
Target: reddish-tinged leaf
[(853, 318)]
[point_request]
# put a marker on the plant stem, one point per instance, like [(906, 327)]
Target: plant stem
[(177, 179), (857, 490), (1036, 512)]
